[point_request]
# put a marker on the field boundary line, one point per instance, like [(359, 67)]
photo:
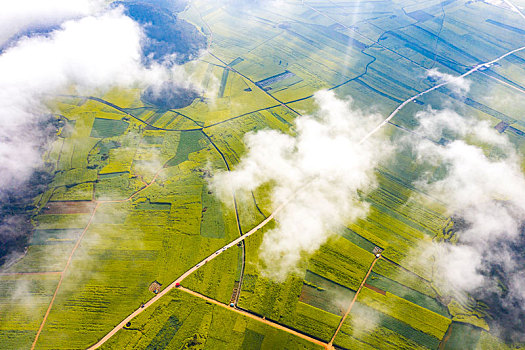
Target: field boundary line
[(176, 283), (435, 87), (515, 8), (77, 244), (257, 318), (330, 346)]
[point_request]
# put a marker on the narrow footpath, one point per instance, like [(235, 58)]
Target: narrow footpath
[(330, 344)]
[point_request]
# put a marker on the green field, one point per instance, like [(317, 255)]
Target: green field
[(150, 170), (183, 321)]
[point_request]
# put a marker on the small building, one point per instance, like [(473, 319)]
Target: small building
[(377, 250), (154, 287), (501, 127)]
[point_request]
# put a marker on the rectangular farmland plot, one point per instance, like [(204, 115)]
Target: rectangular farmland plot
[(218, 286), (165, 335), (114, 186), (235, 61), (28, 297), (80, 192), (69, 207), (190, 141), (108, 127), (406, 293), (13, 339), (324, 294), (341, 261), (212, 220), (407, 278), (224, 80), (358, 240), (54, 236), (373, 329), (377, 91), (74, 176), (44, 257), (275, 79), (403, 202), (314, 322), (252, 340), (417, 317), (148, 205), (461, 335), (154, 118), (124, 255), (420, 15), (62, 221)]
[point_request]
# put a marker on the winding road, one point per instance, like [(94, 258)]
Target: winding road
[(175, 283), (280, 207)]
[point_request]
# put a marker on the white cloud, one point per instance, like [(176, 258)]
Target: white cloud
[(457, 84), (16, 16), (473, 179), (93, 52), (327, 154), (447, 123), (363, 321), (483, 184)]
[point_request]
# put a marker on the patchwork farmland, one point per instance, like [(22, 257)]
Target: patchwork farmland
[(132, 202)]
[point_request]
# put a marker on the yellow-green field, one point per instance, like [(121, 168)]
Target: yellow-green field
[(146, 173)]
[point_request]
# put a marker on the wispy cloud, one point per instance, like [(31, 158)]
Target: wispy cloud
[(326, 154), (457, 84), (94, 52), (478, 176), (17, 17), (79, 46)]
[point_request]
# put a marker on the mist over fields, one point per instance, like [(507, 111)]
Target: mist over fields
[(327, 170), (262, 174), (74, 46)]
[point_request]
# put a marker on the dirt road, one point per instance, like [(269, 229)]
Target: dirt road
[(62, 276), (435, 87), (353, 302), (185, 275), (260, 319), (75, 248)]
